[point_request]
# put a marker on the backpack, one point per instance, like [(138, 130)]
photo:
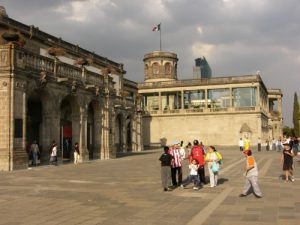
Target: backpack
[(220, 158)]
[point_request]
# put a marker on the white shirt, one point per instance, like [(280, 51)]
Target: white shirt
[(182, 152), (54, 151), (193, 169), (241, 142)]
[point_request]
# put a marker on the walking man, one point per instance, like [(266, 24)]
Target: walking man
[(251, 176)]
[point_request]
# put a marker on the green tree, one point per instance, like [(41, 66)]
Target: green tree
[(287, 131), (296, 116)]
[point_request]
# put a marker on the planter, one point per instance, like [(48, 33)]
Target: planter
[(8, 36), (56, 51)]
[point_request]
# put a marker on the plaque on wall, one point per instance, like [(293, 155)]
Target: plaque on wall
[(18, 128)]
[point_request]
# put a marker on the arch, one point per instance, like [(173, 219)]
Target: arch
[(69, 125), (119, 132), (37, 109), (128, 127), (155, 68), (93, 129), (245, 131)]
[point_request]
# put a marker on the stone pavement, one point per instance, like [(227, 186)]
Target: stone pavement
[(127, 190)]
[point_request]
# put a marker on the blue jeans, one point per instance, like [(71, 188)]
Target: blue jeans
[(34, 158), (190, 179)]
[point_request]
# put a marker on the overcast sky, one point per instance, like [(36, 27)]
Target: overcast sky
[(237, 37)]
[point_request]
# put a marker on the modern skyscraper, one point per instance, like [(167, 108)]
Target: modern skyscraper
[(201, 69)]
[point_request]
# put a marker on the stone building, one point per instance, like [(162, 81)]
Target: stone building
[(217, 111), (54, 90)]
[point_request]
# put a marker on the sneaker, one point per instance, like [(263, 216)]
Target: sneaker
[(165, 189), (292, 179), (182, 186), (195, 188), (242, 195), (169, 189), (258, 196)]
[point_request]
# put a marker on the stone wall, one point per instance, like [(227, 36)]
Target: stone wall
[(220, 129)]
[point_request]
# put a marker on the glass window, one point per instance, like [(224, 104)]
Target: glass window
[(194, 99), (219, 98), (151, 102), (171, 100), (244, 97)]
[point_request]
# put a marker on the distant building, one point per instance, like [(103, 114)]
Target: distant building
[(217, 111), (201, 69)]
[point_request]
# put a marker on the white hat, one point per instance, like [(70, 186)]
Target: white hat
[(286, 142)]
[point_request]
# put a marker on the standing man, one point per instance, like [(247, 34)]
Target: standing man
[(259, 144), (251, 176), (176, 167), (241, 144), (166, 161), (34, 150), (199, 154)]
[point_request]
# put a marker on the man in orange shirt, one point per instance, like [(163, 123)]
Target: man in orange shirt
[(251, 176)]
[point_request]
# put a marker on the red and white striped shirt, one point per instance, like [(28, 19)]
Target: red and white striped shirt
[(177, 157)]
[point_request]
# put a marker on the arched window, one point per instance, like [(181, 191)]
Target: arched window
[(168, 68), (155, 68)]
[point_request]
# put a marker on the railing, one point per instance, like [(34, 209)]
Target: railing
[(27, 60), (199, 82), (66, 70), (201, 110)]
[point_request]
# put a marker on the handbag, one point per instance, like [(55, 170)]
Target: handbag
[(215, 167)]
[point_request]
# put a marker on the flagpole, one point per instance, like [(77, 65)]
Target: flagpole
[(160, 37)]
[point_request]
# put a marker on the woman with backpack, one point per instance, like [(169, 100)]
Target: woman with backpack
[(213, 159)]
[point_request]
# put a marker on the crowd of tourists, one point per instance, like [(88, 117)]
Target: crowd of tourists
[(199, 157)]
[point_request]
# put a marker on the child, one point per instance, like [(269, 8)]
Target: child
[(193, 177), (166, 161)]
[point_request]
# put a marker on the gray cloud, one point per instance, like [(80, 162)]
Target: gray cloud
[(237, 37)]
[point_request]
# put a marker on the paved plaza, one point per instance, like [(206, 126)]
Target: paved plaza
[(127, 190)]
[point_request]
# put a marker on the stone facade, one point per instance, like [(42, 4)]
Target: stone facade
[(216, 111), (53, 90)]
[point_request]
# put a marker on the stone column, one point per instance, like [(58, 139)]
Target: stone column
[(24, 116), (182, 99), (84, 153), (139, 132), (107, 150), (206, 101), (159, 102), (97, 134), (258, 99)]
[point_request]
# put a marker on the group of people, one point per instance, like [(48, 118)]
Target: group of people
[(171, 165), (34, 153), (271, 144)]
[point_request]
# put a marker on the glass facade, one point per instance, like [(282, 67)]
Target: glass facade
[(150, 102), (244, 97), (194, 99), (219, 98), (171, 100)]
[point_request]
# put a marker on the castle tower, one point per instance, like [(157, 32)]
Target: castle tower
[(160, 66)]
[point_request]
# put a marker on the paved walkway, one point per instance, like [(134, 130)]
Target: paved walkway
[(127, 190)]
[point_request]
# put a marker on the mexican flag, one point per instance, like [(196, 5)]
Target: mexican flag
[(156, 28)]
